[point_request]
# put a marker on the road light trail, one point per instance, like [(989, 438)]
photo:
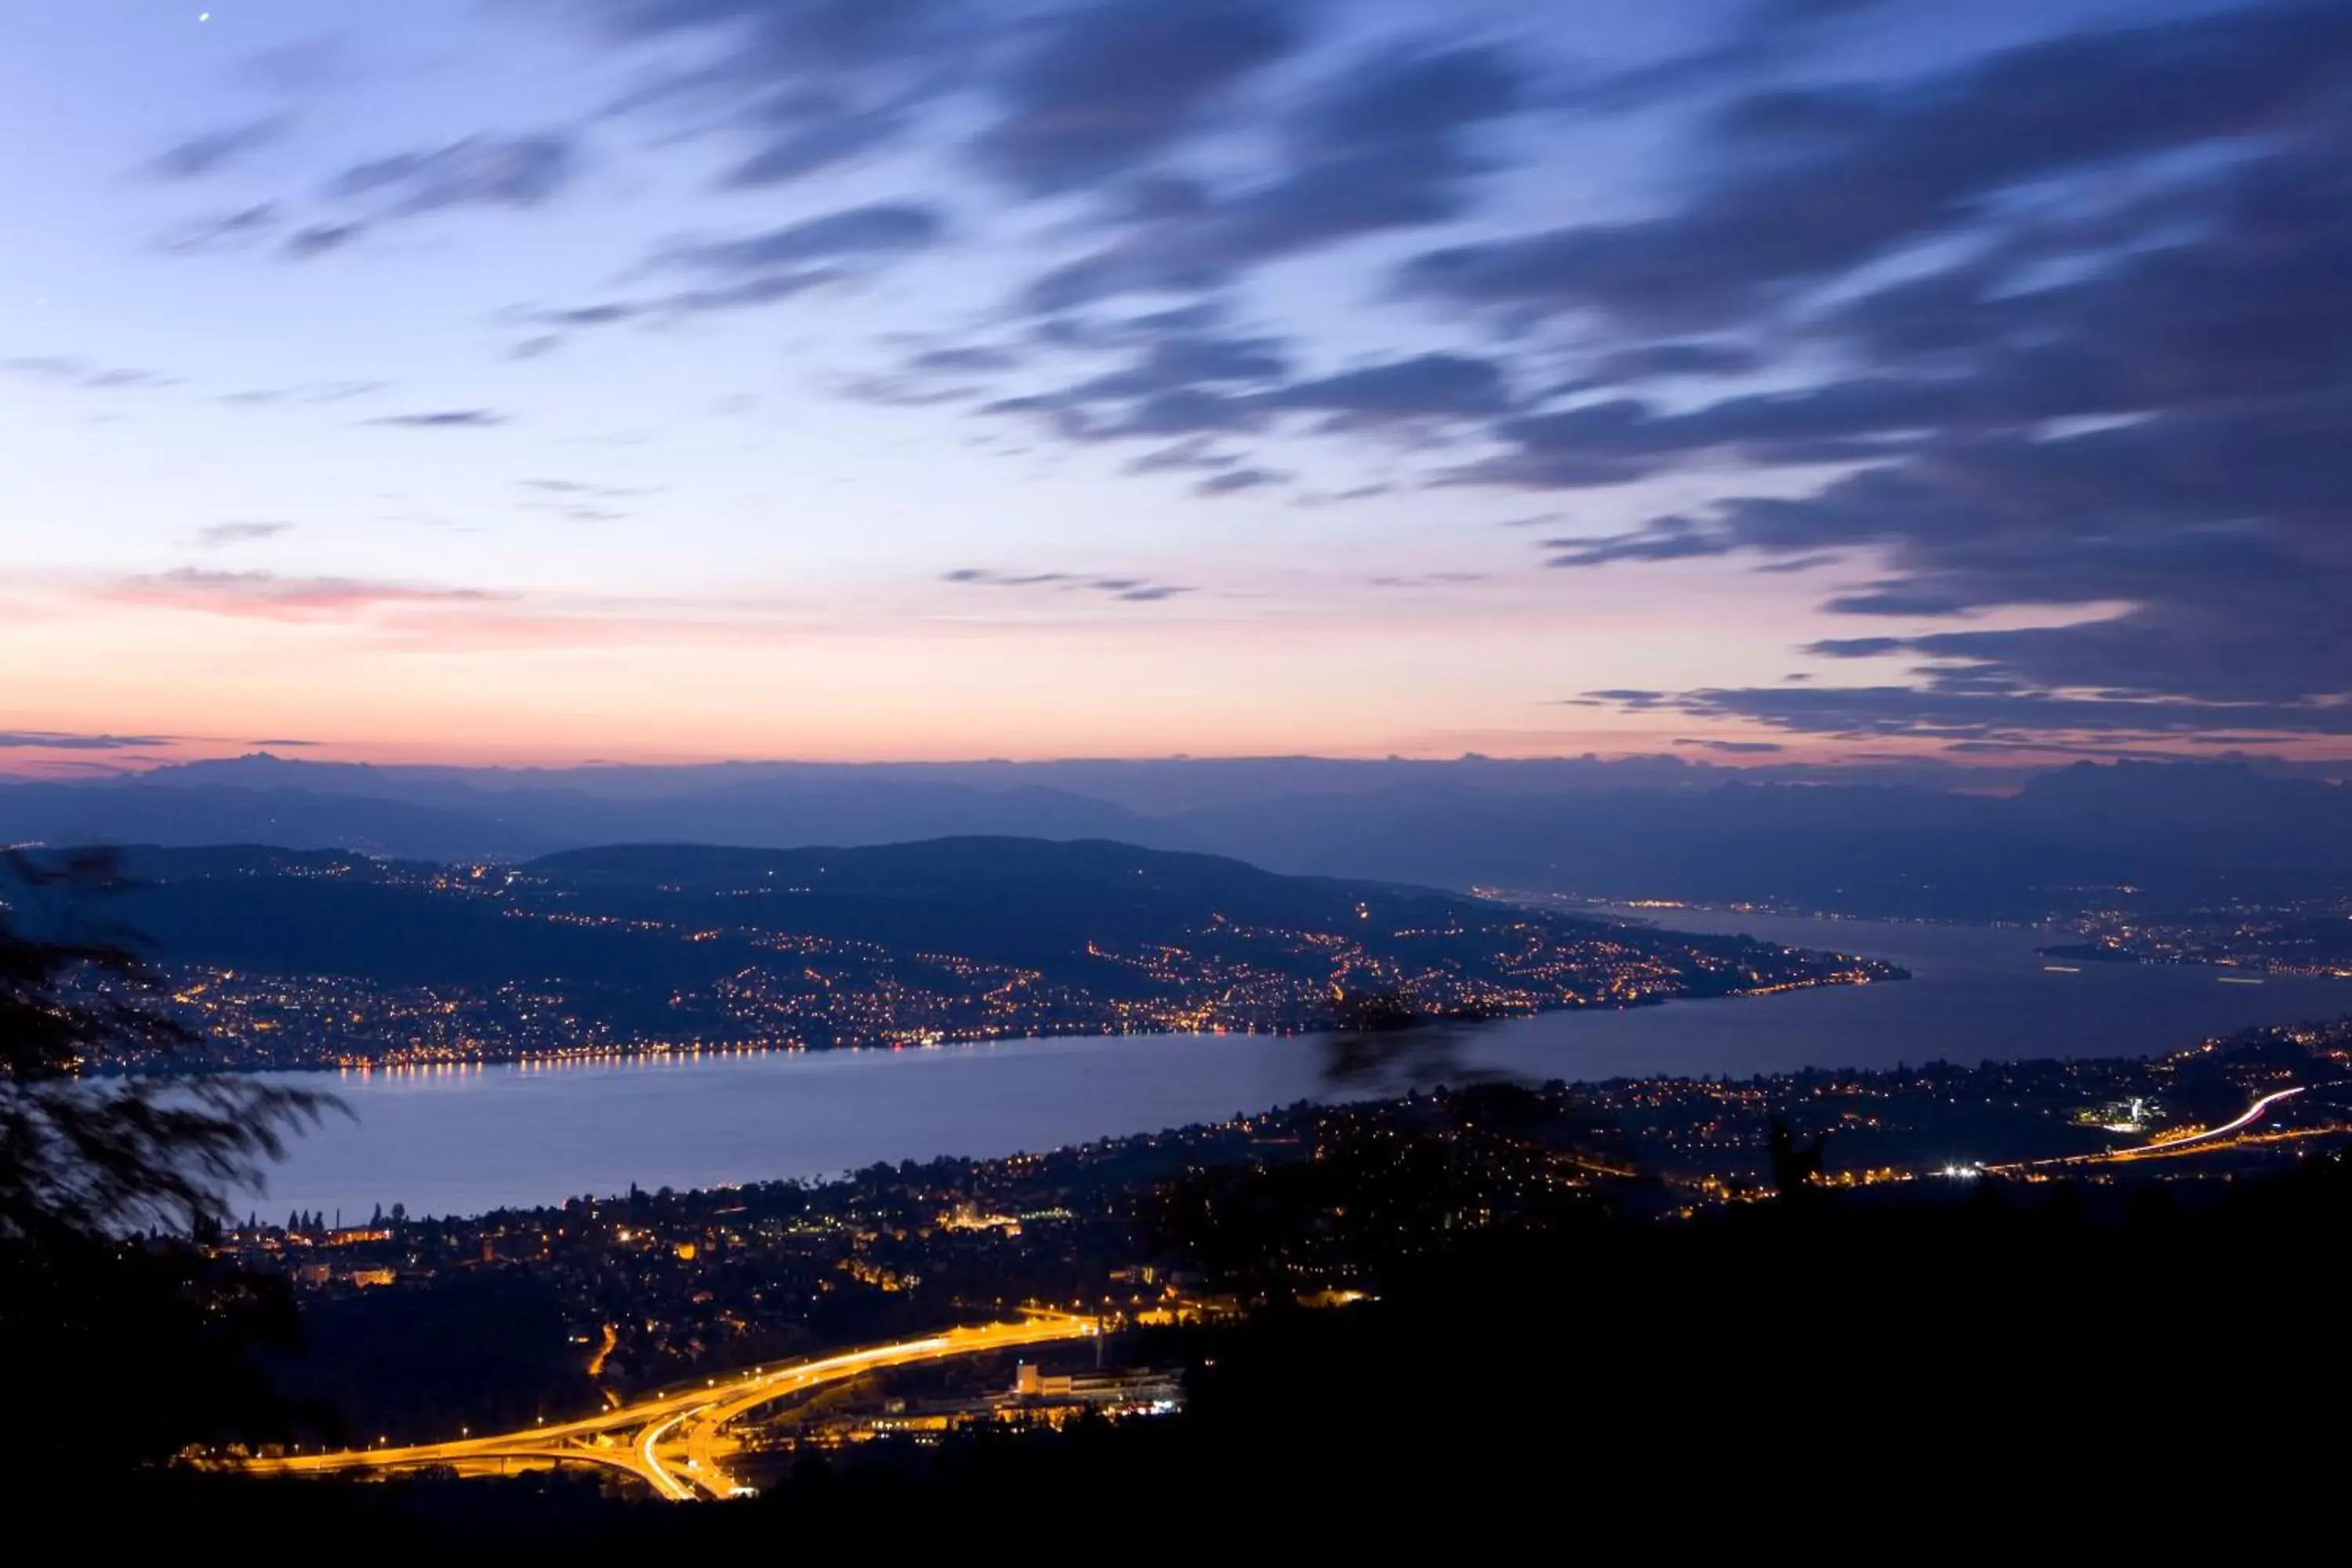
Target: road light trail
[(2162, 1147), (669, 1485), (2182, 1141), (696, 1417)]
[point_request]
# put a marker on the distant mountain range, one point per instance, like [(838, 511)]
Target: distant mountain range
[(1646, 827)]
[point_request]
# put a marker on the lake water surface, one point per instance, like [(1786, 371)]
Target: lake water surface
[(463, 1140)]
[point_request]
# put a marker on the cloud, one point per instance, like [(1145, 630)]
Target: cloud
[(1195, 387), (1184, 362), (67, 370), (517, 171), (585, 489), (1432, 580), (2108, 397), (217, 150), (1075, 98), (1108, 102), (235, 230), (578, 514), (520, 171), (1861, 420), (884, 228), (814, 132), (312, 391), (1181, 385), (1099, 90), (1234, 481), (1668, 539), (1855, 647), (1796, 563), (1429, 386), (1768, 36), (1131, 590), (319, 238), (1735, 748), (442, 419), (221, 534), (802, 86), (750, 294), (1801, 184), (2002, 719), (2044, 346), (976, 359), (1386, 145), (768, 268), (1006, 579), (61, 740), (931, 376), (2220, 529), (1663, 361), (267, 595), (1626, 697), (1195, 455)]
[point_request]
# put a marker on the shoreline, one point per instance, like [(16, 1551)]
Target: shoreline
[(656, 1051), (1617, 1084)]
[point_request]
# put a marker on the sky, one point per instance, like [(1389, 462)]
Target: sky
[(545, 381)]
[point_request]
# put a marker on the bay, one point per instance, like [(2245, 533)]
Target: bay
[(463, 1140)]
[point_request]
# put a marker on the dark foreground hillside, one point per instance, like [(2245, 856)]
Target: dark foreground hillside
[(1885, 1374)]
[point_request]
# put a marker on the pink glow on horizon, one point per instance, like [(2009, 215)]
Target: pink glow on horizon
[(216, 663)]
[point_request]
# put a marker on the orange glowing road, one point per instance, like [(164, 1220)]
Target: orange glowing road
[(649, 1439)]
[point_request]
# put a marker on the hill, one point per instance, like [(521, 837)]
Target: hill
[(305, 957), (1911, 844)]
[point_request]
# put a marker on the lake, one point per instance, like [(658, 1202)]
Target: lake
[(460, 1141)]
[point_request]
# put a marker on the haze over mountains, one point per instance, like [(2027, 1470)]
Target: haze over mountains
[(1641, 828)]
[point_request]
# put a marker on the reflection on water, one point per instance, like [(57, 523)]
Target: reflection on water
[(462, 1139)]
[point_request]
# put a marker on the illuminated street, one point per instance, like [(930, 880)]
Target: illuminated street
[(675, 1443), (2231, 1134)]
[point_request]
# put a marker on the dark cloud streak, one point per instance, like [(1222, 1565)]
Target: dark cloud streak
[(1128, 590), (217, 150), (443, 419), (1101, 89), (59, 740)]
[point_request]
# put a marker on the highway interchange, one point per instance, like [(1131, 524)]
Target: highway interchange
[(676, 1443)]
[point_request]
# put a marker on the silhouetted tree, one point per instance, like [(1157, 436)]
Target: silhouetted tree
[(1387, 1042), (101, 1158), (105, 1184), (1374, 1195), (1795, 1167)]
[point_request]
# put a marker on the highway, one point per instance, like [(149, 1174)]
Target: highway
[(676, 1443), (2199, 1141), (2182, 1141)]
